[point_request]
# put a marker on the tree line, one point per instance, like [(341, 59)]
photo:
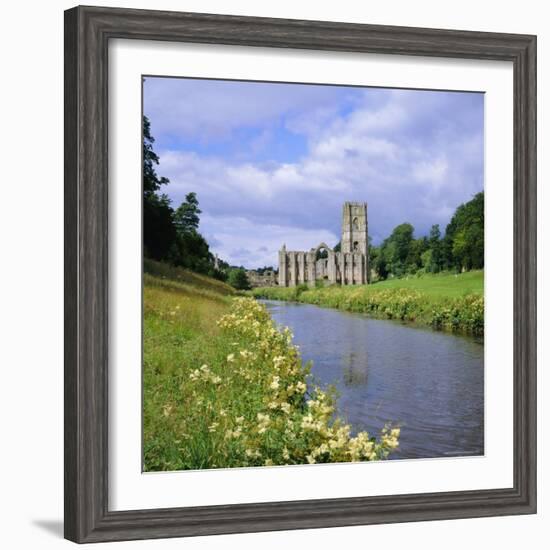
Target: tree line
[(460, 249)]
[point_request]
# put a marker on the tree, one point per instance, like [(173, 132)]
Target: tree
[(159, 233), (435, 262), (151, 181), (395, 251), (238, 279), (464, 245), (417, 247), (186, 217)]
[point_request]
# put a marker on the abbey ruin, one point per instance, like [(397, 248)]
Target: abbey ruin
[(348, 266)]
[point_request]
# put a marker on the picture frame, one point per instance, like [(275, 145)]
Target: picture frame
[(87, 34)]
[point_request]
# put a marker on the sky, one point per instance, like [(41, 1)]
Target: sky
[(273, 163)]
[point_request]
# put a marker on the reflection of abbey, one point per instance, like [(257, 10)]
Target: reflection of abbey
[(349, 266)]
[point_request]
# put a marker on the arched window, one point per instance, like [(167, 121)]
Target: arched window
[(355, 224), (356, 246), (322, 253)]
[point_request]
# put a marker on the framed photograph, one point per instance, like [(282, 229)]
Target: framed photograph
[(300, 274)]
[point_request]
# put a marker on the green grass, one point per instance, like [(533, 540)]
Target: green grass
[(222, 387), (444, 301), (444, 285)]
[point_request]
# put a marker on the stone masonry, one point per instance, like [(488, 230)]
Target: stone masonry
[(349, 266)]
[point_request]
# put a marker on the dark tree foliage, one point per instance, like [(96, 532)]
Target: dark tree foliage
[(159, 233)]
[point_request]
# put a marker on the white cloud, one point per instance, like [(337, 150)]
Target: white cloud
[(411, 157), (434, 171), (240, 241)]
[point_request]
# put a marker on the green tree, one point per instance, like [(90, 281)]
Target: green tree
[(238, 279), (159, 233), (435, 263), (396, 250), (463, 244), (151, 181), (186, 217)]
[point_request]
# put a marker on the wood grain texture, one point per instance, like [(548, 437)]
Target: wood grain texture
[(87, 33)]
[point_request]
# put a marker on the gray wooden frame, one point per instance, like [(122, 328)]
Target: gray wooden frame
[(87, 34)]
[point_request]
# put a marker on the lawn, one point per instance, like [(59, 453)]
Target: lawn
[(445, 285)]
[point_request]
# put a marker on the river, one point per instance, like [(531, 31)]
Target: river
[(429, 383)]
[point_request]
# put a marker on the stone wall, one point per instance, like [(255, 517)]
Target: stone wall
[(267, 278)]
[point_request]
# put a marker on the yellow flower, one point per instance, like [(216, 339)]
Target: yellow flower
[(274, 383)]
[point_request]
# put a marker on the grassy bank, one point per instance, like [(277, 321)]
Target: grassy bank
[(224, 388), (444, 301)]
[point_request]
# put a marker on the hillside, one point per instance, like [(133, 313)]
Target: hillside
[(222, 387)]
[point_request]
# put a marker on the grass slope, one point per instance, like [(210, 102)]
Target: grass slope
[(444, 285), (222, 387)]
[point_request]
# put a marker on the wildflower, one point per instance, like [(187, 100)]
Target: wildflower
[(231, 358), (213, 426)]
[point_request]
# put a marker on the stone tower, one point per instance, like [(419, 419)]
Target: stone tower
[(348, 266), (354, 228)]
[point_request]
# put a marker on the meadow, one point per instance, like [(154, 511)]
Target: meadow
[(223, 387), (445, 301)]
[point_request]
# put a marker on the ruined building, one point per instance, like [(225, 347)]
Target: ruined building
[(349, 266), (267, 278)]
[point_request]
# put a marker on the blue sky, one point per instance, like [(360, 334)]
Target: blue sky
[(272, 163)]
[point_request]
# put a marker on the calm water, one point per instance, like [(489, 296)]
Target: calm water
[(429, 383)]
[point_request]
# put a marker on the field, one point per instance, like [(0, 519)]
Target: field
[(222, 387), (445, 301), (444, 285)]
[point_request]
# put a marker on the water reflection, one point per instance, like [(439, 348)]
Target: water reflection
[(355, 370), (430, 383)]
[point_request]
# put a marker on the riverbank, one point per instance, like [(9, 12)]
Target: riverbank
[(444, 302), (222, 387)]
